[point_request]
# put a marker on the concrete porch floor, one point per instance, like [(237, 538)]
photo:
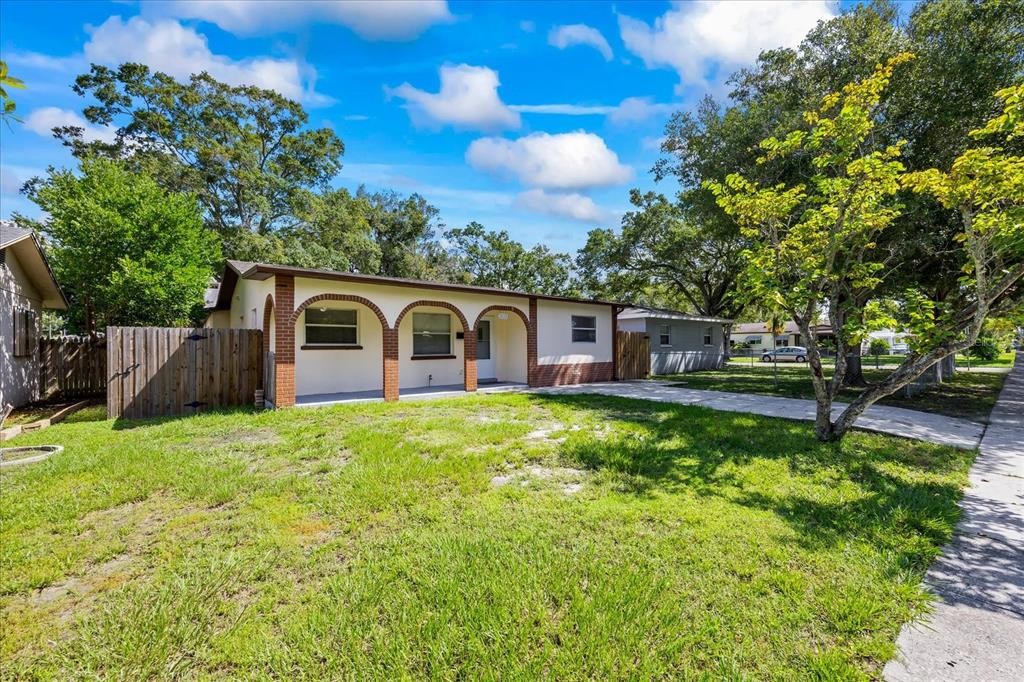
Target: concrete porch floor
[(419, 393)]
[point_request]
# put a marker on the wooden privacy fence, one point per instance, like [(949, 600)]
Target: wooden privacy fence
[(72, 366), (168, 371), (633, 355)]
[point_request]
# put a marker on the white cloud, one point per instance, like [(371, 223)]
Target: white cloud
[(394, 20), (165, 45), (629, 110), (564, 109), (527, 26), (633, 109), (566, 205), (357, 117), (653, 143), (468, 99), (563, 161), (580, 34), (693, 37), (43, 121), (45, 62)]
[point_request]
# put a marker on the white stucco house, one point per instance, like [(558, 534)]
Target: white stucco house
[(334, 336), (758, 337), (27, 287), (679, 342)]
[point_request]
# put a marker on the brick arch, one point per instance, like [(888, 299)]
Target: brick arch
[(507, 308), (434, 304), (389, 338), (531, 335), (342, 297), (268, 310), (468, 343)]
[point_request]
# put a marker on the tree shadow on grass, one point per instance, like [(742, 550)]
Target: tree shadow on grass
[(892, 490)]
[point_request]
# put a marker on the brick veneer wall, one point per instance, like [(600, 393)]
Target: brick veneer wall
[(284, 341), (390, 364), (572, 373)]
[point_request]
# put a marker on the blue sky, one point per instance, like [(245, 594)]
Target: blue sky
[(532, 117)]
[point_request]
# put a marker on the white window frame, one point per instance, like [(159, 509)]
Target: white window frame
[(709, 337), (355, 326), (664, 335), (451, 350), (574, 328)]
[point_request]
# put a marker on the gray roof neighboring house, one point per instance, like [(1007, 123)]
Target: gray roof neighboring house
[(638, 312), (29, 252)]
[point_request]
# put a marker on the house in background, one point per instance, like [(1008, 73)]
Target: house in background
[(27, 287), (758, 337), (897, 341), (679, 342), (335, 336)]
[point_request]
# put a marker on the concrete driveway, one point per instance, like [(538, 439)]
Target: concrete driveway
[(897, 421)]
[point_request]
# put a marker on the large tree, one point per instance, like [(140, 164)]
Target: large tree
[(245, 152), (968, 49), (493, 259), (125, 250), (815, 242), (664, 256)]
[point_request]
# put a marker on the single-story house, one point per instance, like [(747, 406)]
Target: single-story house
[(758, 337), (335, 336), (679, 342), (27, 287), (897, 340)]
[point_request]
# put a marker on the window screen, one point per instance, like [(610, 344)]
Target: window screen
[(584, 329), (331, 327), (25, 338), (665, 335), (707, 336), (431, 334)]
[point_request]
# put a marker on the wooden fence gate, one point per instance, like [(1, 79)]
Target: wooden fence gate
[(167, 371), (72, 367), (633, 355)]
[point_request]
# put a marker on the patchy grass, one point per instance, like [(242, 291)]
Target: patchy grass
[(506, 535), (967, 395)]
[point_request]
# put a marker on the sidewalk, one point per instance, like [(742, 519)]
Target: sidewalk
[(897, 421), (977, 629)]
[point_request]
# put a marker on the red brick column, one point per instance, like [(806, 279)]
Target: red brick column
[(532, 378), (284, 341), (390, 363), (469, 359)]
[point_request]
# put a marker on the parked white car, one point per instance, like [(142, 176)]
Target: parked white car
[(785, 354)]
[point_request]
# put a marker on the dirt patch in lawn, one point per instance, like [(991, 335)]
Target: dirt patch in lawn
[(235, 439), (569, 480)]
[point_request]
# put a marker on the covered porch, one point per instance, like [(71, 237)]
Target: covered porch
[(418, 393)]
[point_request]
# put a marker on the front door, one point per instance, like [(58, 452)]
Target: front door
[(485, 369)]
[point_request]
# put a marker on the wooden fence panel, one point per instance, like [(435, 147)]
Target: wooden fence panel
[(170, 371), (72, 366), (633, 355)]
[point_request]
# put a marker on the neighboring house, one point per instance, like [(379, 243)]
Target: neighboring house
[(897, 340), (679, 342), (758, 337), (27, 287), (342, 335)]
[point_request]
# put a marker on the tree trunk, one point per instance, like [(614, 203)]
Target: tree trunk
[(823, 429), (854, 367)]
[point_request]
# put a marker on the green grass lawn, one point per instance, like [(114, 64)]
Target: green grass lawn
[(1004, 360), (967, 395), (507, 536)]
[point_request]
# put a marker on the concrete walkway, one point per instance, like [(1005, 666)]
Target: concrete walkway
[(977, 629), (933, 428)]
